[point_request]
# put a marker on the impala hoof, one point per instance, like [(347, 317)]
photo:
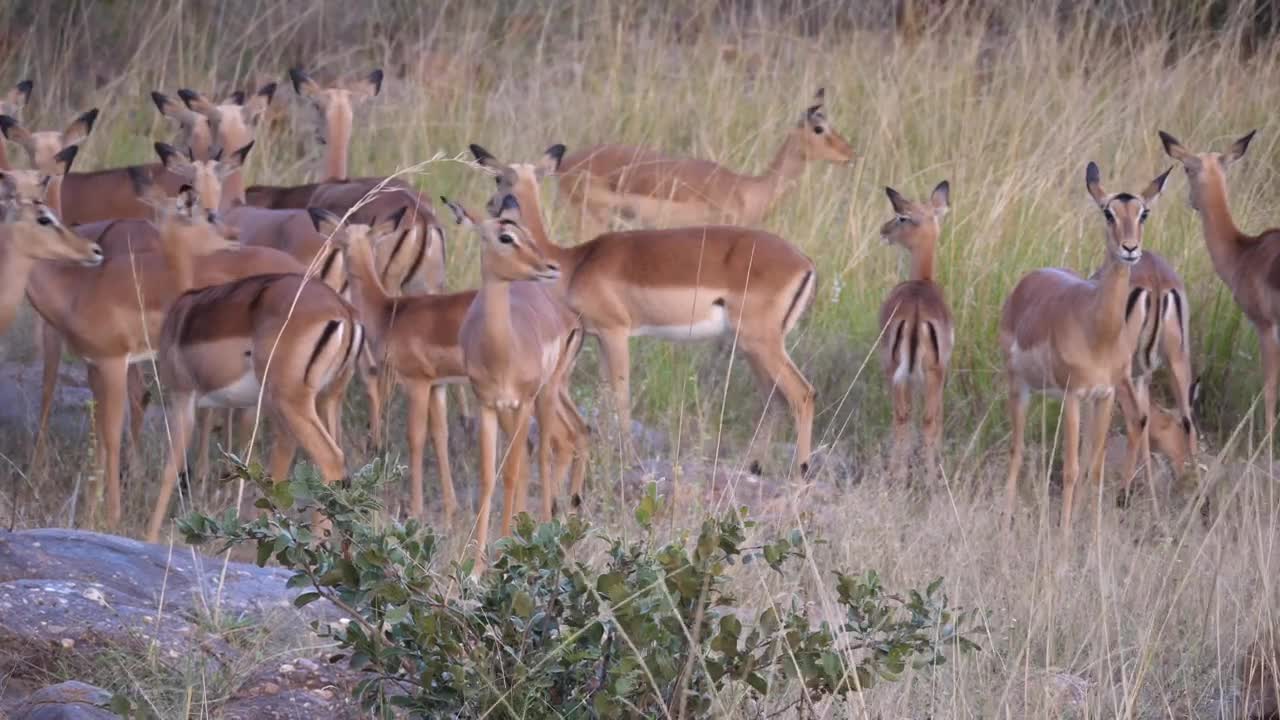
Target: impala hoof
[(576, 501), (1123, 499), (755, 468)]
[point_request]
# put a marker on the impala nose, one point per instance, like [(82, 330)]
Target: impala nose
[(95, 255)]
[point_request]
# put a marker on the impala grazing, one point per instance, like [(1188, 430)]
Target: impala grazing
[(519, 345), (1249, 265), (660, 190), (916, 333), (694, 283), (30, 232), (1062, 334)]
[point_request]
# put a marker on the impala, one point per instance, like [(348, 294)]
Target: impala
[(1249, 265), (31, 232), (111, 315), (11, 103), (694, 283), (42, 147), (283, 339), (518, 347), (1062, 334), (916, 333), (661, 190)]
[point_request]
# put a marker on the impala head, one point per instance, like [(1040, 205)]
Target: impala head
[(1125, 214), (1173, 436), (1204, 170), (38, 232), (43, 146), (508, 252), (232, 122), (517, 178), (12, 101), (181, 218), (195, 136), (335, 106), (818, 140), (916, 225), (357, 237), (204, 176)]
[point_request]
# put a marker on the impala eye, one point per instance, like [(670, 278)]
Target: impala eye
[(1143, 217), (817, 130), (1110, 216), (903, 219), (44, 220), (507, 239)]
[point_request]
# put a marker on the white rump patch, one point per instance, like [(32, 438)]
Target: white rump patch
[(241, 393)]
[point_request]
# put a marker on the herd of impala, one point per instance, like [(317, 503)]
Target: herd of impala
[(274, 297)]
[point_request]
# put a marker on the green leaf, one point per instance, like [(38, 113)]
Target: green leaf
[(396, 614), (306, 598), (522, 605), (757, 683)]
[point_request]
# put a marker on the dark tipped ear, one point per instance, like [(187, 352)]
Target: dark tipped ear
[(1153, 190), (397, 217), (80, 128), (941, 198), (168, 154), (188, 96), (324, 221), (1172, 147), (1093, 182), (7, 124), (237, 158), (237, 97), (65, 157), (161, 101), (549, 164), (484, 157), (460, 214), (24, 89), (900, 204), (268, 91), (510, 208), (1238, 148), (298, 78), (821, 96)]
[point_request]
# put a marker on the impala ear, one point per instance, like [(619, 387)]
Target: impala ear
[(173, 160), (367, 86), (1197, 397), (260, 101), (1153, 190), (20, 93), (1093, 181), (141, 180), (550, 162), (391, 224), (509, 209), (198, 103), (165, 104), (235, 162), (80, 128), (900, 204), (325, 222), (1173, 148), (15, 132), (485, 158), (1238, 148), (63, 160), (303, 84), (460, 214), (941, 198), (237, 98)]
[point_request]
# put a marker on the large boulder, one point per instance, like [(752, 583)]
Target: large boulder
[(66, 701)]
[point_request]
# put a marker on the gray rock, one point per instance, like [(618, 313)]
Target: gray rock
[(66, 701)]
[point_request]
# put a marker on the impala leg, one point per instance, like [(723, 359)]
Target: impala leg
[(1100, 426), (515, 474), (137, 394), (1070, 456), (617, 363), (465, 415), (1271, 374), (768, 417), (488, 477), (284, 446), (302, 422), (932, 421), (419, 414), (207, 418), (1134, 413), (773, 357), (1175, 348), (901, 431), (112, 382), (439, 423), (580, 434), (373, 387), (549, 427), (1019, 398), (51, 342), (182, 410)]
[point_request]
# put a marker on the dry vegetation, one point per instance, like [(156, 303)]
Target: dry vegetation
[(1146, 613)]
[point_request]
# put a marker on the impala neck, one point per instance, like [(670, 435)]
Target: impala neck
[(765, 190), (177, 255), (53, 195), (370, 297), (233, 190), (1223, 239), (496, 305), (1108, 311), (336, 149), (566, 257), (922, 260), (15, 267)]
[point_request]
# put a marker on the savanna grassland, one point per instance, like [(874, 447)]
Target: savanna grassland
[(1145, 612)]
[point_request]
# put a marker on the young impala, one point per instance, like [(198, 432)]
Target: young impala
[(1062, 334), (1249, 265), (42, 147), (916, 334), (694, 283), (518, 346), (31, 232), (661, 190)]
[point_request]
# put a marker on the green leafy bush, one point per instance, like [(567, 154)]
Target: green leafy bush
[(654, 630)]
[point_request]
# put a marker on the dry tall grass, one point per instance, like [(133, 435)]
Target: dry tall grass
[(1144, 613)]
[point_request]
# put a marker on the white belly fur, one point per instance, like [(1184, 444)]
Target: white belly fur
[(241, 393), (713, 324)]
